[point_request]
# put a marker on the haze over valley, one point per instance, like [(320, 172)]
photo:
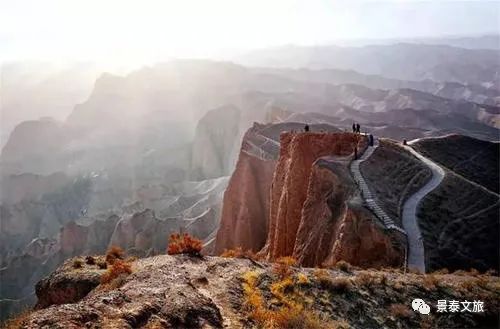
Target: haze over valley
[(249, 146)]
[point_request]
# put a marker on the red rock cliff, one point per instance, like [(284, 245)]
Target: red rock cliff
[(315, 211), (333, 226), (245, 209), (291, 179)]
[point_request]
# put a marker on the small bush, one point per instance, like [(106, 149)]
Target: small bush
[(184, 244), (461, 273), (302, 279), (293, 318), (102, 265), (291, 315), (239, 253), (343, 266), (491, 272), (233, 253), (77, 263), (337, 284), (398, 285), (473, 283), (442, 271), (253, 297), (430, 282), (400, 311), (114, 253), (282, 266), (279, 288), (414, 271), (366, 279), (468, 284), (131, 259), (383, 279), (474, 272), (340, 284), (90, 260), (118, 268)]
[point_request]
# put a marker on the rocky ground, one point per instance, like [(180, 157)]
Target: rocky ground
[(214, 292), (474, 159)]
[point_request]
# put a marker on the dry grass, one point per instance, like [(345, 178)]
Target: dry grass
[(414, 271), (302, 279), (279, 288), (116, 270), (441, 271), (468, 285), (400, 311), (474, 283), (77, 263), (340, 324), (340, 284), (131, 259), (426, 322), (366, 279), (337, 284), (102, 265), (491, 272), (16, 322), (471, 272), (398, 285), (474, 272), (291, 315), (114, 253), (279, 303), (282, 266), (343, 266), (430, 282), (90, 260), (383, 279), (184, 244), (239, 253)]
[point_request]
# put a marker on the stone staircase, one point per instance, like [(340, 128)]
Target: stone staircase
[(370, 201)]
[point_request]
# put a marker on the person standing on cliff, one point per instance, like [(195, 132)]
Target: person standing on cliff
[(306, 128), (358, 128), (353, 127)]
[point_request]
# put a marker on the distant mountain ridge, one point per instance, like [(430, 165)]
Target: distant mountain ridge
[(403, 61)]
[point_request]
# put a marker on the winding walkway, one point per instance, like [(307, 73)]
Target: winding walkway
[(371, 202), (416, 256)]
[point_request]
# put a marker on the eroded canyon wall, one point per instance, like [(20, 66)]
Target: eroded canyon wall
[(316, 210), (245, 212)]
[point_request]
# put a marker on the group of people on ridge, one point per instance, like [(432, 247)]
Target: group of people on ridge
[(356, 128)]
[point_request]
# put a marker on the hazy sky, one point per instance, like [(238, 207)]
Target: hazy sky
[(149, 30)]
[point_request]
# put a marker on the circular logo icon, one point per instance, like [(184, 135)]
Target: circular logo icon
[(420, 306)]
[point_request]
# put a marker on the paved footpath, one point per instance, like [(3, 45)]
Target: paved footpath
[(416, 255), (371, 202)]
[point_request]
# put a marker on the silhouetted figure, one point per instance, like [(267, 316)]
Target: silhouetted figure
[(371, 140), (306, 128), (353, 127), (355, 153), (404, 142), (358, 128)]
